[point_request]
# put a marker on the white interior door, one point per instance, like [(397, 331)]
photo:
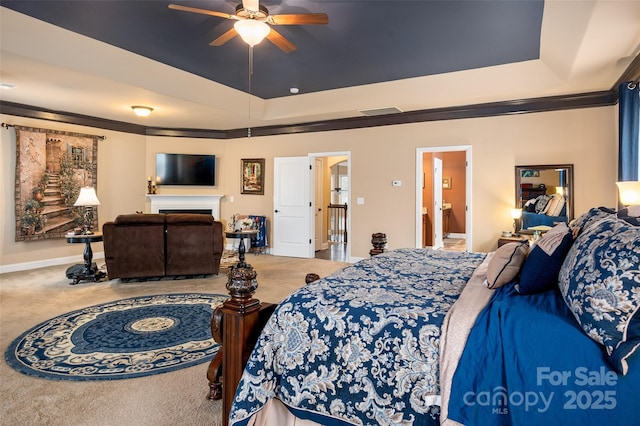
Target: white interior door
[(318, 209), (437, 203), (292, 207)]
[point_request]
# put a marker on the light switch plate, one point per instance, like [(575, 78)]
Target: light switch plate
[(360, 200)]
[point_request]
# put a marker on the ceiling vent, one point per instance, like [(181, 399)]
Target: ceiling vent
[(380, 111)]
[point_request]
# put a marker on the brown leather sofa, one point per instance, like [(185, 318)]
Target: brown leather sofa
[(158, 245)]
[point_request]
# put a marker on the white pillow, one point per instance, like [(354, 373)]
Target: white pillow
[(557, 204), (505, 264)]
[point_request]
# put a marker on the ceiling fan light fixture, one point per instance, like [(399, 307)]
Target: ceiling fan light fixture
[(142, 111), (252, 31)]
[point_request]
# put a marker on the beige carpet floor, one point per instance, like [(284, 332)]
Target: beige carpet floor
[(175, 398)]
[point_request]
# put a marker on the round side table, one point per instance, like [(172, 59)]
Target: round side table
[(89, 271), (241, 249)]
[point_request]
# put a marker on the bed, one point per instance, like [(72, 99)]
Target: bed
[(417, 337), (545, 210)]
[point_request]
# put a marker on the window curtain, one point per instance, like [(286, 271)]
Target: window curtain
[(629, 127)]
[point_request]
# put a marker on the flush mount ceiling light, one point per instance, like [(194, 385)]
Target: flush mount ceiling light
[(252, 31), (142, 111)]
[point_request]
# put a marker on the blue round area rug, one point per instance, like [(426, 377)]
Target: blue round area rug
[(124, 339)]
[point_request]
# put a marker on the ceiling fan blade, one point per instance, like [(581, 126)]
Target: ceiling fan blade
[(299, 19), (202, 11), (224, 37), (252, 5), (279, 40)]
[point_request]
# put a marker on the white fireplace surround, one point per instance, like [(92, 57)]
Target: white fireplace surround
[(186, 202)]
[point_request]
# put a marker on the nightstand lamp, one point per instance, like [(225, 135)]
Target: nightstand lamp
[(516, 214), (630, 196), (87, 199)]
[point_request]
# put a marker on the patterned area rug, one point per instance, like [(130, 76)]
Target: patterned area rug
[(127, 338)]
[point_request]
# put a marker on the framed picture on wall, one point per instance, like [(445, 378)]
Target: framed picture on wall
[(253, 176), (446, 182)]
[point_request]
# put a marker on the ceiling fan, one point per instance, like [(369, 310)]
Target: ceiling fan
[(254, 23)]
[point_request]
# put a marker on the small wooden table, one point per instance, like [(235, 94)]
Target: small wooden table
[(89, 271), (248, 233)]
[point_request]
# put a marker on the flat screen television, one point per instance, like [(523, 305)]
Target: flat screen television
[(185, 169)]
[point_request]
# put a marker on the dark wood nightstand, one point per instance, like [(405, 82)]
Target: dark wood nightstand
[(512, 239)]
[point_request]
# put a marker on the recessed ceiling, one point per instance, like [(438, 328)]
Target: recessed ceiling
[(364, 42)]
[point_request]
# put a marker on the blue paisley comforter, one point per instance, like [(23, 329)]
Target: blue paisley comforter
[(359, 346)]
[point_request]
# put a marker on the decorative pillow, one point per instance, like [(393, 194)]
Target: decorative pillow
[(556, 205), (505, 264), (542, 202), (600, 283), (530, 205), (592, 216), (541, 268)]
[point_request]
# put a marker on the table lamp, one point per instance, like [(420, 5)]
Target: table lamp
[(516, 214), (630, 196), (87, 199)]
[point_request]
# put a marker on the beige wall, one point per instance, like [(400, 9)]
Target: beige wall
[(586, 138)]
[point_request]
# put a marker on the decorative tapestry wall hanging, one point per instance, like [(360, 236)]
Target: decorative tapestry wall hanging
[(51, 167)]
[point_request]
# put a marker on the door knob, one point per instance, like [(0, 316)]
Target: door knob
[(276, 211)]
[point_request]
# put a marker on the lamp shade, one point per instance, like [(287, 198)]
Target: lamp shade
[(87, 197), (516, 213), (629, 192), (252, 31)]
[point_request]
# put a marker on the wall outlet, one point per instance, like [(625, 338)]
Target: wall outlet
[(231, 199), (360, 200)]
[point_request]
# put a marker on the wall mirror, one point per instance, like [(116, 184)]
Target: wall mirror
[(534, 181)]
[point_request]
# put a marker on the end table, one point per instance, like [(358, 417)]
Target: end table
[(248, 233), (89, 271)]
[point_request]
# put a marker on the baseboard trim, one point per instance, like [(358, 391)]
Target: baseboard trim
[(26, 266), (457, 235)]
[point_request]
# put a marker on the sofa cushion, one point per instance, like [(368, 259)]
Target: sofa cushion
[(189, 218), (140, 219)]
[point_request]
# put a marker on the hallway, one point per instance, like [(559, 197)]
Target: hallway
[(336, 252)]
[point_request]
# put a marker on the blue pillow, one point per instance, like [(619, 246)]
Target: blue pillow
[(592, 216), (540, 270), (600, 283)]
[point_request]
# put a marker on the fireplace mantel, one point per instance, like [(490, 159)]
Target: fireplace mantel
[(177, 202)]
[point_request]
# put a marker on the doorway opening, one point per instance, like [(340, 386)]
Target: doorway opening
[(443, 198), (332, 198)]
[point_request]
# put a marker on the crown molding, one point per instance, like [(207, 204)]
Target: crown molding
[(492, 109)]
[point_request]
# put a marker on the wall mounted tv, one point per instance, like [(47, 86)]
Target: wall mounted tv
[(185, 169)]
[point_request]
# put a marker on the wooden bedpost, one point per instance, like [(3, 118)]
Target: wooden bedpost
[(236, 325), (379, 241), (240, 318)]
